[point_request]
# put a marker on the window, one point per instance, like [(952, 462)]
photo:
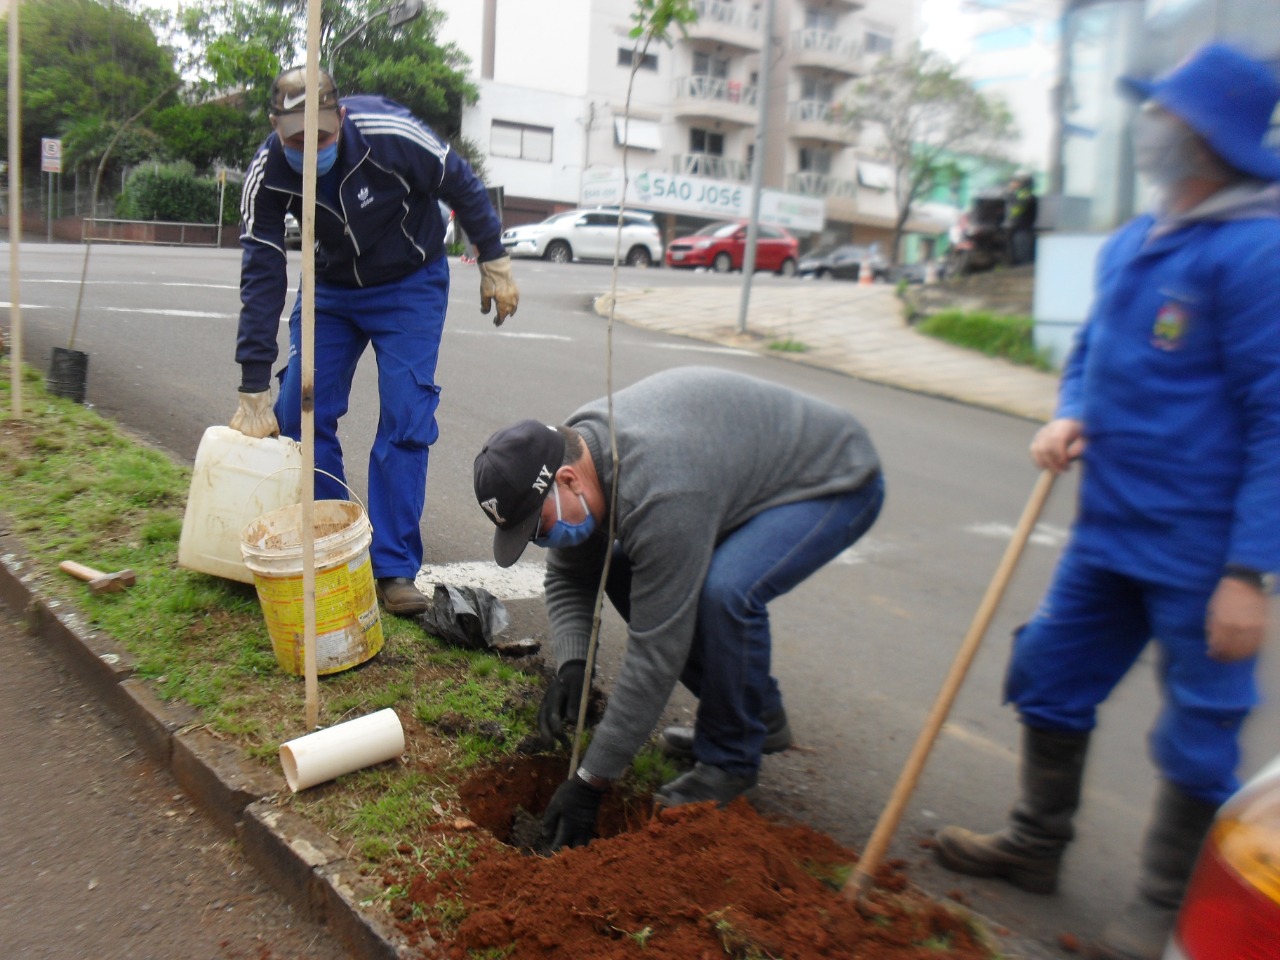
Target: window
[(823, 20), (520, 140), (705, 141), (706, 65), (648, 61), (815, 161), (638, 134), (811, 88), (875, 176), (878, 42)]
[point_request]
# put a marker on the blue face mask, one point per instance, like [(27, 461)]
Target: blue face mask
[(564, 534), (325, 159)]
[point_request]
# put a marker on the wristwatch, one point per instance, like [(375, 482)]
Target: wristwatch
[(1266, 582)]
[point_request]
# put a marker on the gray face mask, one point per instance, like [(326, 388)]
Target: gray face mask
[(1165, 150)]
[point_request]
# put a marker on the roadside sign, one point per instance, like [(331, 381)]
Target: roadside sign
[(50, 155)]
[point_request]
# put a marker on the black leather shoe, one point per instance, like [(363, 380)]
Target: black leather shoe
[(399, 595), (678, 741), (704, 782)]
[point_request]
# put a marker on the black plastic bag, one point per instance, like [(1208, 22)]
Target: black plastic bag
[(468, 617)]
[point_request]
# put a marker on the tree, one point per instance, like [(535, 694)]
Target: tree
[(83, 59), (208, 134), (926, 115), (241, 46)]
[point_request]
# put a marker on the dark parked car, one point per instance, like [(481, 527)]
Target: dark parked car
[(844, 262), (722, 246)]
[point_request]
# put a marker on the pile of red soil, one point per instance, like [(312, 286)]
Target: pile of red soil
[(690, 883)]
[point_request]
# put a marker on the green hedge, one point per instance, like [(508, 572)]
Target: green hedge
[(173, 192)]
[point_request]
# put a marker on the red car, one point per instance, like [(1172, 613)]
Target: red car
[(722, 245)]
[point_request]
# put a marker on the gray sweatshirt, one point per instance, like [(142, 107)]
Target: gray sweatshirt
[(702, 451)]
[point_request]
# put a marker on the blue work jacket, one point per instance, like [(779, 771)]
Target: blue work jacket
[(1176, 378), (377, 217)]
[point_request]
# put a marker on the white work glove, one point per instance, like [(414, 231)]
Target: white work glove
[(254, 417), (496, 283)]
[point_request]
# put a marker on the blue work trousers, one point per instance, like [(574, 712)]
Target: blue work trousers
[(728, 668), (1089, 630), (404, 320)]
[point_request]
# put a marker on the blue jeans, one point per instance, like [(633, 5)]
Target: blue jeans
[(404, 320), (728, 668), (1089, 630)]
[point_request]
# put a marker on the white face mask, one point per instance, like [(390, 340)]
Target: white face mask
[(1164, 148)]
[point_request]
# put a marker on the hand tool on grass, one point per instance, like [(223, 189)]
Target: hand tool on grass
[(98, 581), (860, 881)]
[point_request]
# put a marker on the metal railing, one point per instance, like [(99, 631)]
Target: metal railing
[(813, 184), (813, 40), (159, 232), (700, 86), (711, 165), (727, 14)]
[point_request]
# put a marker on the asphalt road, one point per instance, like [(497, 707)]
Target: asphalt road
[(860, 649)]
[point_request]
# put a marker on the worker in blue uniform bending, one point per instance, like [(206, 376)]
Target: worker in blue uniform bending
[(382, 277), (1171, 401)]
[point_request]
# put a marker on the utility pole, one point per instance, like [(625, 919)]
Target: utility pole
[(757, 167)]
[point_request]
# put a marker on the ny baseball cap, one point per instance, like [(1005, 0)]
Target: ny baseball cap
[(288, 102), (513, 474)]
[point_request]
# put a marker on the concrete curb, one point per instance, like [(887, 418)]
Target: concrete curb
[(295, 857)]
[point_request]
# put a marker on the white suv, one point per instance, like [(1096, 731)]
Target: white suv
[(588, 235)]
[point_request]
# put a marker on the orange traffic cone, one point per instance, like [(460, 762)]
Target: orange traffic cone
[(864, 273)]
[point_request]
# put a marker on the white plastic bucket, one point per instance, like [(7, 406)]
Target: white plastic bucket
[(235, 478), (348, 628)]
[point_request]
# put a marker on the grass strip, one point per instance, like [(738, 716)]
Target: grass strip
[(1010, 336)]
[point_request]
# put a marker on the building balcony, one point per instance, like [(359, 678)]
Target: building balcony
[(731, 23), (809, 183), (713, 98), (826, 51), (841, 196), (820, 121), (711, 165)]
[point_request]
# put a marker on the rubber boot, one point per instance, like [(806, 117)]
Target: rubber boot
[(1028, 852), (1178, 828)]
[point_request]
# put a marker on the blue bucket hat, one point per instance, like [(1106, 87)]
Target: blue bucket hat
[(1225, 96)]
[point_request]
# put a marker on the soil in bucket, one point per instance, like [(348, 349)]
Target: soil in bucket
[(348, 627), (684, 884), (68, 372)]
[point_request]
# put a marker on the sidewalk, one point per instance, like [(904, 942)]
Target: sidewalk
[(854, 329)]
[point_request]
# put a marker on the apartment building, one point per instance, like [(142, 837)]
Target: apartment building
[(553, 113)]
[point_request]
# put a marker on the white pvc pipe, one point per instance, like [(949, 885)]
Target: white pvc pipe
[(340, 749)]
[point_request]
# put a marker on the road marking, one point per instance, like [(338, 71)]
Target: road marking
[(515, 336), (689, 348), (140, 283), (523, 581), (172, 313), (24, 306), (1042, 534)]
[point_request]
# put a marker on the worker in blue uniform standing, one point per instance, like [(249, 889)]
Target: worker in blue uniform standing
[(382, 277), (1171, 401)]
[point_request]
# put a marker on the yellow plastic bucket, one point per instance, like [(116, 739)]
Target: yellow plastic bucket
[(348, 628)]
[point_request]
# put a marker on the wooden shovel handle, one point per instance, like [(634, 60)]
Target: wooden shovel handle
[(875, 849), (80, 571)]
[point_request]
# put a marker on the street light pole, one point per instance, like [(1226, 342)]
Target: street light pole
[(757, 167), (400, 12)]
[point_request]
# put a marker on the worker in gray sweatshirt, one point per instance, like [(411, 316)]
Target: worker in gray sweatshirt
[(731, 491)]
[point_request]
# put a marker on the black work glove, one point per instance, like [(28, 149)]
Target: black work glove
[(570, 820), (560, 704)]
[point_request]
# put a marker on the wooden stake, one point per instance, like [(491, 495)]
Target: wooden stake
[(860, 882)]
